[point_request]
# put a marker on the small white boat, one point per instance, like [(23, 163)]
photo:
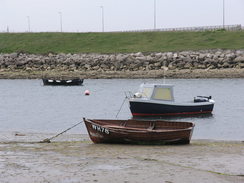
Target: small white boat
[(158, 100)]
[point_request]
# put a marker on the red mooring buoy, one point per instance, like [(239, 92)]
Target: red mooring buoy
[(87, 92)]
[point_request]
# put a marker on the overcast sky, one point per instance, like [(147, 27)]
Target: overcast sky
[(119, 15)]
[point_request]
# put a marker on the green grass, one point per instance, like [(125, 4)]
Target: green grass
[(43, 43)]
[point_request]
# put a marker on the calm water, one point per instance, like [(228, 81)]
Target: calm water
[(28, 106)]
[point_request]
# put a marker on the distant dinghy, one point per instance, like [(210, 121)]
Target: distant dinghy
[(63, 82)]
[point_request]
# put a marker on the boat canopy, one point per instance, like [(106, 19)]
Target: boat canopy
[(156, 92)]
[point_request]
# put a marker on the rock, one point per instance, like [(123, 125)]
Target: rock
[(157, 64), (239, 59), (175, 55), (241, 65), (150, 59), (171, 66), (28, 69), (187, 66), (201, 66), (13, 55), (218, 53), (169, 55), (140, 59), (145, 63), (231, 56), (211, 67), (239, 53), (117, 65), (104, 66), (209, 56), (130, 59), (158, 55), (139, 54), (87, 66), (112, 58), (120, 58), (21, 63), (226, 65), (201, 57)]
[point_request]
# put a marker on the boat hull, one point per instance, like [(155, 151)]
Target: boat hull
[(139, 132), (150, 109), (72, 82)]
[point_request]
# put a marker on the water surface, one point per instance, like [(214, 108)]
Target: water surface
[(28, 106)]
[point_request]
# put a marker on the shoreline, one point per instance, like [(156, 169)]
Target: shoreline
[(11, 137), (170, 74), (74, 158)]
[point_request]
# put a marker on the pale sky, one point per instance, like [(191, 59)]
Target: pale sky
[(119, 15)]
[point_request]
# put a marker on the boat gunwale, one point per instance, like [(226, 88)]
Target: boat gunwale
[(142, 130)]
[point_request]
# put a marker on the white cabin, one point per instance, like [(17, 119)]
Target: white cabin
[(162, 92)]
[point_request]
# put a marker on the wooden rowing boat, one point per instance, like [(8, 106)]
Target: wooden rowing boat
[(139, 131)]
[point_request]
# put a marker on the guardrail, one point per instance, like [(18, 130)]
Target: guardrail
[(236, 27), (192, 29)]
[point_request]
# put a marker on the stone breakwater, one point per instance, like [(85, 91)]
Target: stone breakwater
[(185, 64)]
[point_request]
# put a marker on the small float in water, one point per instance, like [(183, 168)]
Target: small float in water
[(87, 92)]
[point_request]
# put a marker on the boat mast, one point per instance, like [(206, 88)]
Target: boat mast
[(164, 73)]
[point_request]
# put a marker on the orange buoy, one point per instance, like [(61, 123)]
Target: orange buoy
[(87, 92)]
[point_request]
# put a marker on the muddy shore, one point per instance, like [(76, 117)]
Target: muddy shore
[(186, 73), (74, 158)]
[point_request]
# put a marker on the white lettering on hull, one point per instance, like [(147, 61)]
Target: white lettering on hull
[(100, 129)]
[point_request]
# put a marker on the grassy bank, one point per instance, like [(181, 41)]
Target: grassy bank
[(41, 43)]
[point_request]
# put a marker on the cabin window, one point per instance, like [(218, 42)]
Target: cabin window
[(147, 92), (162, 94)]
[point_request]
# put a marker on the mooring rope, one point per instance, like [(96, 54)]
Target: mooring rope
[(48, 140), (121, 106)]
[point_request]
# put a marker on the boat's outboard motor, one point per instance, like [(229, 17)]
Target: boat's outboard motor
[(202, 99)]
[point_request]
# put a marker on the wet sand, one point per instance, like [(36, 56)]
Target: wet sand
[(74, 158), (184, 73)]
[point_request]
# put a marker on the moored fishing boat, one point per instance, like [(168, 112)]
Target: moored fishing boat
[(155, 100), (62, 82), (139, 131)]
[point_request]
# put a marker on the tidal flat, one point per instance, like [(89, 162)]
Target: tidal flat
[(74, 158)]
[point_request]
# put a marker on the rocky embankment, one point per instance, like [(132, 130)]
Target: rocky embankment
[(185, 64)]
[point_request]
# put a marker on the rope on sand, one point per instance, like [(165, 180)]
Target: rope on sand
[(48, 140)]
